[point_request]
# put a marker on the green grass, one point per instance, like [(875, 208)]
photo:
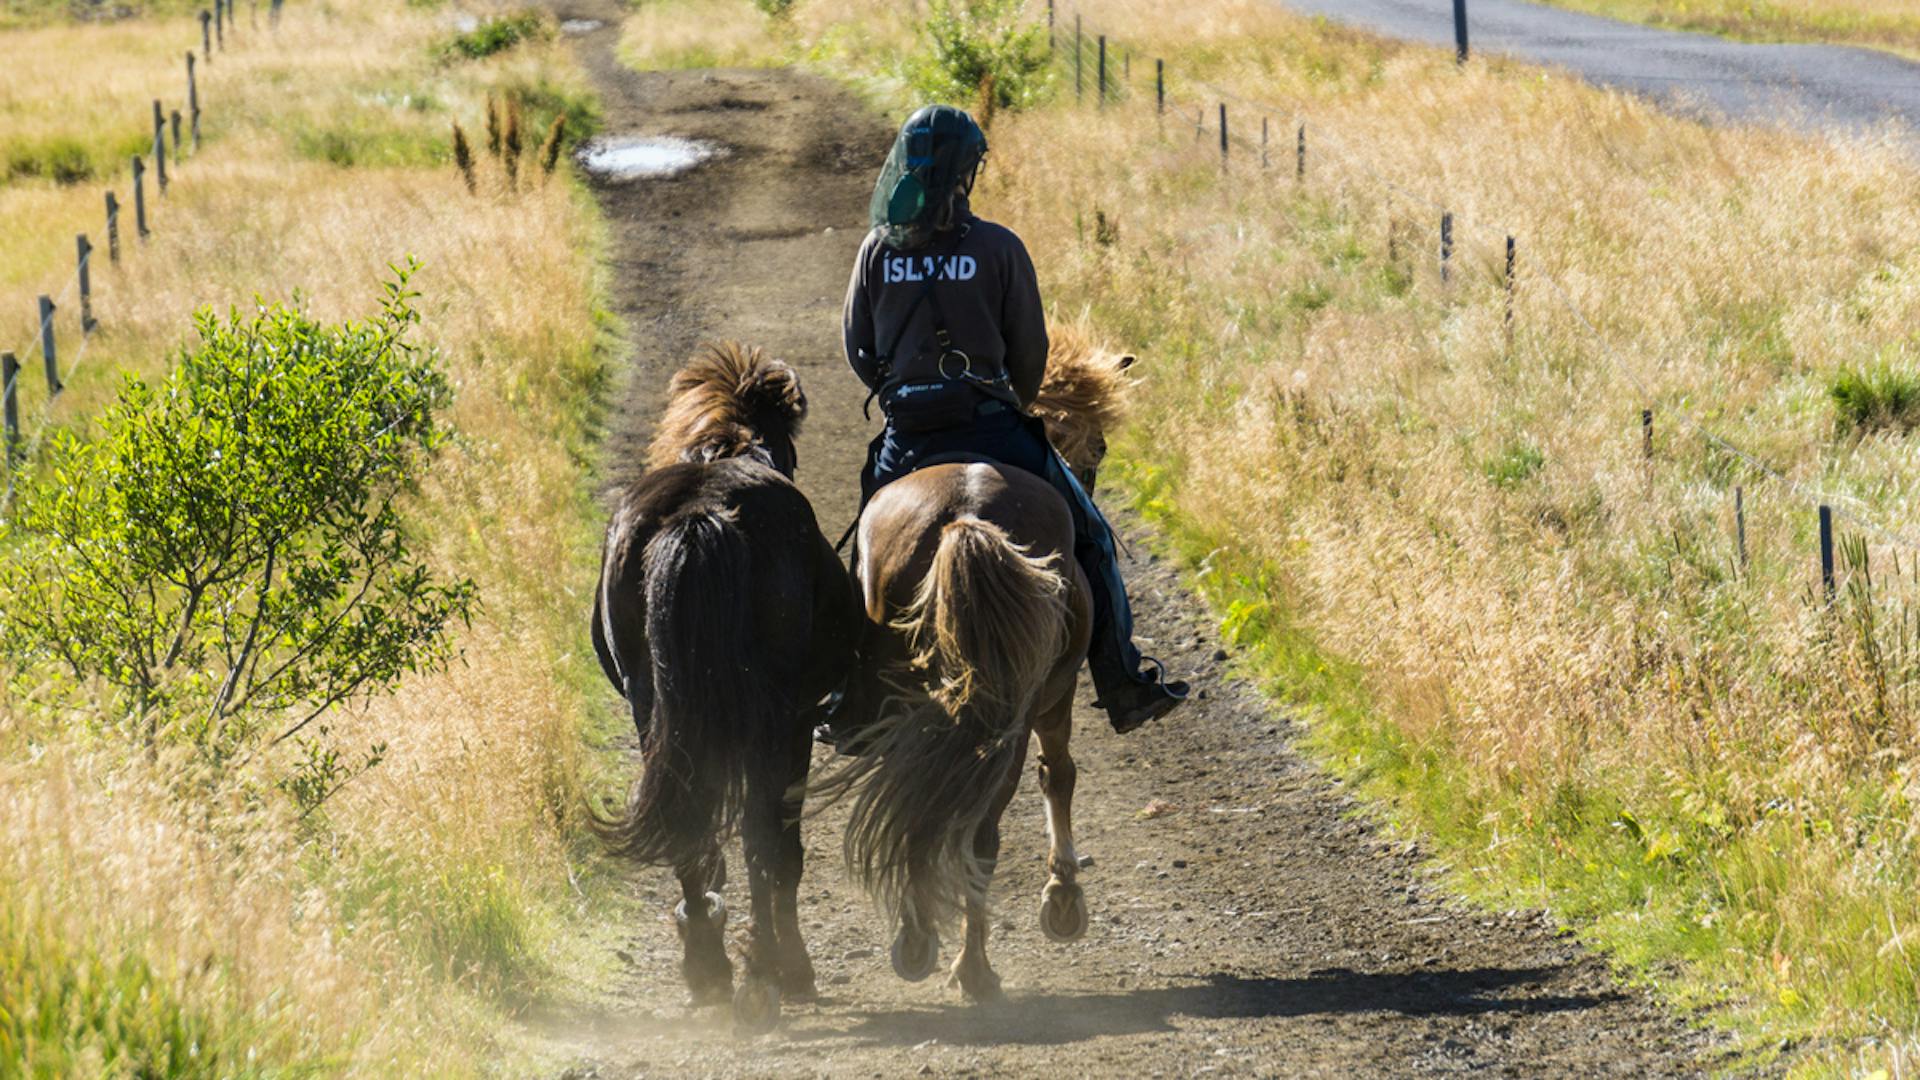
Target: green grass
[(1514, 464), (71, 1007), (66, 159), (367, 139), (1881, 396)]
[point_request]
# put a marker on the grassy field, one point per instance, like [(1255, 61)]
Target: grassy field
[(1534, 644), (152, 923), (1883, 24)]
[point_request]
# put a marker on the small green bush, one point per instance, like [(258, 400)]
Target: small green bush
[(976, 47), (229, 552), (496, 34), (1514, 464), (774, 8), (61, 158), (1878, 397)]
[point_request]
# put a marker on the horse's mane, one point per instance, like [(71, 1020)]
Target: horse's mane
[(728, 399), (1084, 394)]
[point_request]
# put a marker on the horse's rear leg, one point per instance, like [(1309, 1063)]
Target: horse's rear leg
[(971, 971), (796, 970), (770, 832), (1063, 906), (701, 918)]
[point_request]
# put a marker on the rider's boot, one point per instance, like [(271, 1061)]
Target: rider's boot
[(1132, 689)]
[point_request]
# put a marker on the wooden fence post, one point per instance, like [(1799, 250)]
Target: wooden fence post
[(1160, 86), (1508, 325), (1050, 49), (1740, 525), (47, 353), (1300, 157), (10, 403), (173, 119), (1103, 70), (1446, 246), (1223, 134), (159, 148), (1263, 142), (113, 228), (220, 24), (139, 198), (206, 35), (1460, 30), (84, 252), (1826, 551)]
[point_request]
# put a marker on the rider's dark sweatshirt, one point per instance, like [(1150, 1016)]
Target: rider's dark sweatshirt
[(988, 295)]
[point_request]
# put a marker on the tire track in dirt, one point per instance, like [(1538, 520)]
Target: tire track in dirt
[(1256, 928)]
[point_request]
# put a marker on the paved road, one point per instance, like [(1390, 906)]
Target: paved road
[(1814, 86)]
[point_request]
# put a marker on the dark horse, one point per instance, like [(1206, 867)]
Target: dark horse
[(980, 620), (722, 613)]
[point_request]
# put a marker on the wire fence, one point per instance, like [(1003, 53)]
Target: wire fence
[(174, 136), (1229, 123)]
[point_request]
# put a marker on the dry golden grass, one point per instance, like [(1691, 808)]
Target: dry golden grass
[(332, 942), (1888, 24), (1555, 632), (1566, 679)]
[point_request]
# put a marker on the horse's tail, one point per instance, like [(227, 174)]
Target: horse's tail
[(989, 624), (708, 702)]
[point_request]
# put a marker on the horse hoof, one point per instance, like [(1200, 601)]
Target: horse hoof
[(980, 987), (756, 1007), (716, 912), (915, 955), (798, 985), (1063, 912)]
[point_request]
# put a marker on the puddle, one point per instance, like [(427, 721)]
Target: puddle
[(580, 26), (642, 157)]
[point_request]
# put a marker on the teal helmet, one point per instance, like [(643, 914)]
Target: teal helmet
[(934, 159)]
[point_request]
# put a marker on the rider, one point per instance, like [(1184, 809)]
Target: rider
[(944, 325)]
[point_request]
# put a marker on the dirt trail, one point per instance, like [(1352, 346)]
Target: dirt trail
[(1255, 929)]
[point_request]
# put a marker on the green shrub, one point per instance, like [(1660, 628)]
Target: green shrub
[(1514, 464), (61, 158), (981, 48), (1878, 397), (228, 552), (496, 34), (774, 8)]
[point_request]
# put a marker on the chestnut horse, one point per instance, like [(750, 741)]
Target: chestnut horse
[(721, 614), (980, 619)]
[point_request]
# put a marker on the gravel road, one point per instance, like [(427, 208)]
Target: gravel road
[(1245, 919)]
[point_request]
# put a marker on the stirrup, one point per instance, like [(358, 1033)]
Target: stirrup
[(1160, 679), (1174, 688)]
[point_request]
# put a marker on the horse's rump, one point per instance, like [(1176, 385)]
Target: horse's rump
[(712, 576), (991, 624)]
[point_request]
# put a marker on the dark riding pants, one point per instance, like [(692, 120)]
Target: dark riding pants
[(1011, 438)]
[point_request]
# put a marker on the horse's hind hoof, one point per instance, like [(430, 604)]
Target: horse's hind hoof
[(716, 912), (915, 955), (1063, 912), (756, 1007)]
